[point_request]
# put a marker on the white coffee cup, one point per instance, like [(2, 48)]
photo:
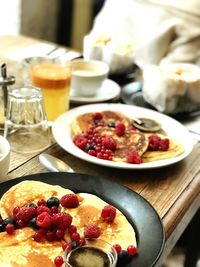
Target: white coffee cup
[(87, 77), (4, 158)]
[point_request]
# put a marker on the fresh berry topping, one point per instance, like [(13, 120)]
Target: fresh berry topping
[(53, 201), (92, 152), (92, 231), (41, 209), (32, 223), (60, 234), (25, 214), (164, 144), (123, 258), (154, 142), (2, 227), (89, 147), (109, 143), (8, 221), (132, 250), (62, 220), (44, 220), (75, 236), (97, 116), (10, 228), (80, 141), (134, 157), (111, 124), (50, 236), (69, 201), (72, 229), (74, 244), (82, 241), (41, 202), (118, 248), (58, 261), (120, 128), (32, 205), (108, 213), (39, 235), (54, 209), (65, 246)]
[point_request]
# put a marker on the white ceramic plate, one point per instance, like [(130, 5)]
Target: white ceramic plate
[(108, 91), (62, 133)]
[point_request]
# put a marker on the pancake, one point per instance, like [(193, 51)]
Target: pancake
[(19, 250), (27, 192), (120, 231), (83, 122), (132, 140)]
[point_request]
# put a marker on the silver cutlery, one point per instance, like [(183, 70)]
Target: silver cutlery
[(54, 164)]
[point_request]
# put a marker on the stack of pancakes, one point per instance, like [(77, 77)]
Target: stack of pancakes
[(131, 140), (19, 249)]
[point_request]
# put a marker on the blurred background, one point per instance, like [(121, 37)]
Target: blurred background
[(65, 22)]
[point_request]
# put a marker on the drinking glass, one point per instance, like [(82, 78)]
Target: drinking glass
[(53, 76), (26, 125)]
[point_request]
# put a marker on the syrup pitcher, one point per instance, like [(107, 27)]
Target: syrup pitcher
[(5, 82)]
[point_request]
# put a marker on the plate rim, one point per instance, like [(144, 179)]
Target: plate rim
[(75, 99), (138, 226), (73, 150)]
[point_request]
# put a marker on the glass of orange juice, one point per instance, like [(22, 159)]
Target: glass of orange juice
[(54, 78)]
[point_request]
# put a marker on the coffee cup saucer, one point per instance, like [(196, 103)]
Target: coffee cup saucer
[(108, 91)]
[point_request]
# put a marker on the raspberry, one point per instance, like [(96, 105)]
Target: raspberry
[(80, 141), (25, 214), (58, 261), (62, 220), (92, 152), (118, 248), (120, 128), (92, 231), (154, 142), (44, 220), (97, 116), (69, 201), (109, 143), (108, 213), (132, 250), (134, 157), (10, 228), (164, 144), (54, 209), (41, 209)]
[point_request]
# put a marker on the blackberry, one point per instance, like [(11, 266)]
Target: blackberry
[(88, 147), (8, 221), (53, 201), (111, 124), (2, 227), (32, 223), (123, 258), (74, 244)]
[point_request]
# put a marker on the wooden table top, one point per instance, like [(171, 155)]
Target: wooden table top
[(174, 191)]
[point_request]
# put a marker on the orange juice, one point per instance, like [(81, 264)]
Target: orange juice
[(54, 80)]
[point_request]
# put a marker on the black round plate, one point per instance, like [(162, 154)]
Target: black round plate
[(145, 220)]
